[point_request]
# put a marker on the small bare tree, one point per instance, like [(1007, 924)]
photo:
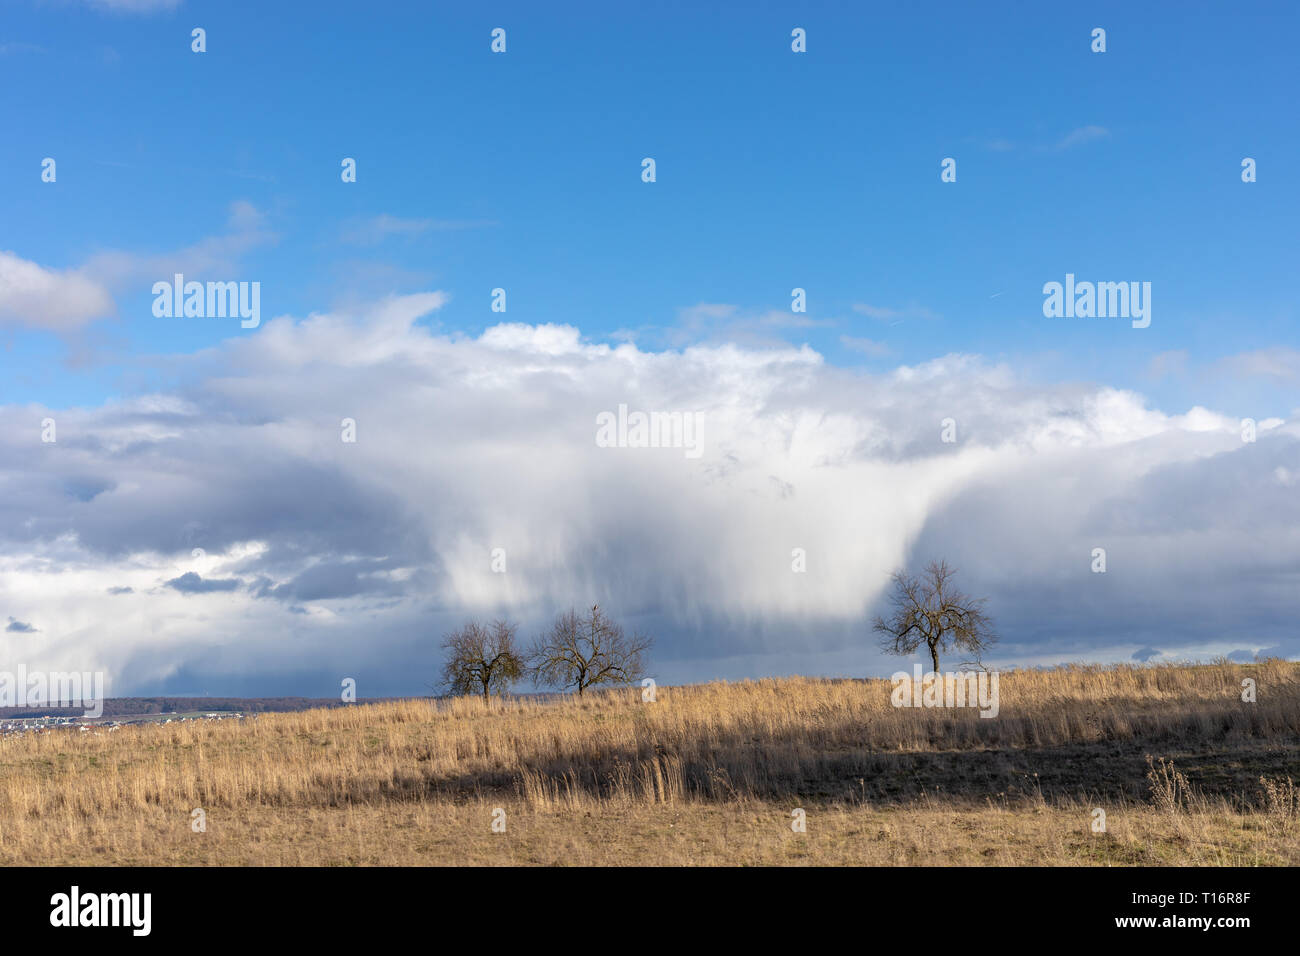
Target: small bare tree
[(929, 610), (482, 659), (584, 651)]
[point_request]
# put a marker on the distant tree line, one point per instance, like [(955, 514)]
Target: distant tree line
[(578, 651), (144, 706)]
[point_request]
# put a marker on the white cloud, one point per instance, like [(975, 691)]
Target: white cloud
[(63, 300), (894, 316), (719, 322), (1172, 362), (353, 556), (384, 226), (1280, 363), (41, 298), (134, 6), (1082, 135), (865, 346), (216, 257)]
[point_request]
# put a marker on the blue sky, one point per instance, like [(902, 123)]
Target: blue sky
[(522, 170), (775, 170)]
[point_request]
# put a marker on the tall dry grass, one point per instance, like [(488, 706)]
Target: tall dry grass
[(1074, 733)]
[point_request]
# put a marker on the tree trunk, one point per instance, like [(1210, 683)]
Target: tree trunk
[(934, 656)]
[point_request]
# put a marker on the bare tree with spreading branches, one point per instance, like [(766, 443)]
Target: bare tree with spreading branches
[(928, 610), (482, 659), (584, 651)]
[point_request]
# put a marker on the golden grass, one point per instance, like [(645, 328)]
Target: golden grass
[(706, 774)]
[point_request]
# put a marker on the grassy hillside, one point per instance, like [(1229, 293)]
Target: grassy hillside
[(1185, 771)]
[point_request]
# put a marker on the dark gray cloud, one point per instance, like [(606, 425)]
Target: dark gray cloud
[(274, 540), (191, 583), (333, 579)]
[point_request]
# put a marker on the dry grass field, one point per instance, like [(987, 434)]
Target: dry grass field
[(1186, 772)]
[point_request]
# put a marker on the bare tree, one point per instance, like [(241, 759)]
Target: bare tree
[(928, 610), (585, 651), (482, 659)]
